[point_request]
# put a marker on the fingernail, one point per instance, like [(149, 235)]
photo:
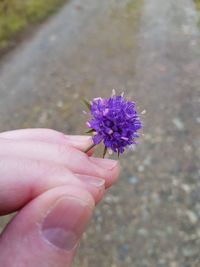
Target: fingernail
[(107, 164), (95, 181), (65, 223)]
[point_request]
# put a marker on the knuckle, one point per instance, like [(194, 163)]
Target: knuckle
[(45, 168)]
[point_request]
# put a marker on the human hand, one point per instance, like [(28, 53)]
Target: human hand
[(54, 186)]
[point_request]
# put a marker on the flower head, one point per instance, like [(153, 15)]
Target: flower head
[(114, 121)]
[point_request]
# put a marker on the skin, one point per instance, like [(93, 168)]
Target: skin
[(52, 184)]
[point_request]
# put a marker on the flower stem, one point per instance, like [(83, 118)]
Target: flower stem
[(89, 148)]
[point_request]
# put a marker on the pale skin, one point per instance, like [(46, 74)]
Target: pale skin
[(54, 186)]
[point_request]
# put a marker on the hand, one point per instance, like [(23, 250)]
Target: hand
[(54, 186)]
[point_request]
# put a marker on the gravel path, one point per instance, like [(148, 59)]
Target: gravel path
[(150, 50)]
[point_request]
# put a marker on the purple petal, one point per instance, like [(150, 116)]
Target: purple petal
[(97, 139)]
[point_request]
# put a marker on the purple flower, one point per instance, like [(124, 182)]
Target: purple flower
[(115, 122)]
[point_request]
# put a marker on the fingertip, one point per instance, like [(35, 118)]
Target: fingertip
[(114, 176), (72, 191), (79, 141), (109, 168), (95, 185)]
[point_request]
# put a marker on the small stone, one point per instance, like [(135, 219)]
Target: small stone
[(144, 112), (190, 252), (198, 119), (75, 95), (192, 217), (112, 199), (147, 161), (186, 188), (107, 238), (132, 180), (174, 264), (179, 124), (169, 230), (187, 148), (175, 182), (68, 85), (162, 261), (185, 29), (60, 104), (142, 232), (140, 168)]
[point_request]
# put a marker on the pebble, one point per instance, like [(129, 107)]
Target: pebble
[(112, 199), (60, 104), (190, 252), (187, 148), (174, 264), (185, 29), (186, 188), (142, 232), (140, 168), (133, 180), (147, 161), (75, 95), (192, 217), (198, 119), (179, 124), (162, 261), (107, 237)]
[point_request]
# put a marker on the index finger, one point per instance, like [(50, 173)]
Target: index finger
[(80, 142)]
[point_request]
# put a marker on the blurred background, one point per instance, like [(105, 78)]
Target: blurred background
[(55, 52)]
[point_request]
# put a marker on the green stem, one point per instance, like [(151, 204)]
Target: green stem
[(89, 148)]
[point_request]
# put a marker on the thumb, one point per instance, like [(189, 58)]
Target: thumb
[(47, 231)]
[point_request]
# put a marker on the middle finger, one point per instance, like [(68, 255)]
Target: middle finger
[(75, 160)]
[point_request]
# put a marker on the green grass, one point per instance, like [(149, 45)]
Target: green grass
[(16, 15), (197, 2)]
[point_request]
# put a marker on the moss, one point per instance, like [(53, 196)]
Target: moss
[(132, 6), (16, 15)]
